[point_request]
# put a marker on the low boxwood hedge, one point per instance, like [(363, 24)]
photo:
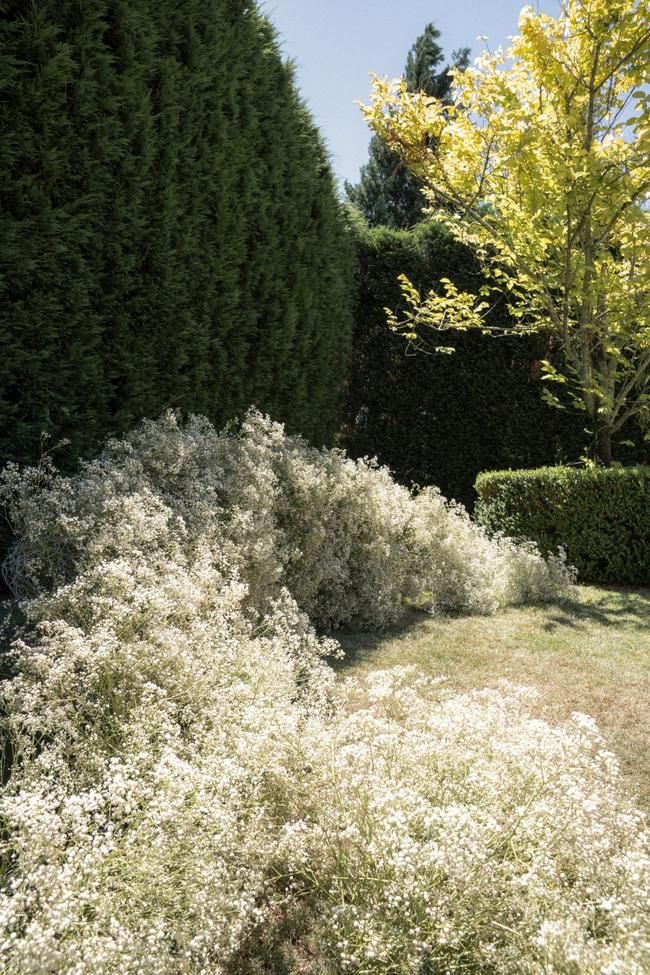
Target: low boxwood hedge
[(601, 516)]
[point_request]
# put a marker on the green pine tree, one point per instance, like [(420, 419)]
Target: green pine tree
[(388, 194)]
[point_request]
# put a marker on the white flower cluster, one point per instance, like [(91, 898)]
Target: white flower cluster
[(191, 793), (454, 833), (347, 541)]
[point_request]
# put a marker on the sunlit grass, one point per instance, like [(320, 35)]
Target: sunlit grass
[(590, 653)]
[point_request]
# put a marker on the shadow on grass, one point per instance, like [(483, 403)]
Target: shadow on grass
[(614, 606), (357, 643)]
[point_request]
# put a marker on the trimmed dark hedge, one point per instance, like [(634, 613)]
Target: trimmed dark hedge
[(440, 419), (170, 233), (601, 516)]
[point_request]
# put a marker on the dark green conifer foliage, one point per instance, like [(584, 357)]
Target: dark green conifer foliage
[(441, 419), (388, 194), (169, 228)]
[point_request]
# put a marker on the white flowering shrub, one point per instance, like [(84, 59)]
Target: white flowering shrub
[(454, 833), (347, 541), (188, 791), (147, 712), (465, 569)]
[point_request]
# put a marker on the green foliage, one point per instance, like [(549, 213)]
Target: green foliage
[(599, 515), (443, 418), (388, 193), (541, 164), (169, 228)]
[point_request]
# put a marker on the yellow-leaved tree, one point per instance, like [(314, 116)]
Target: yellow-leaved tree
[(542, 165)]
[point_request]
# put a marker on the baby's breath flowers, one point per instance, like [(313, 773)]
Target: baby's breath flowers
[(192, 793), (346, 541)]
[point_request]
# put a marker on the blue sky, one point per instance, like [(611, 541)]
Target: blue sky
[(337, 43)]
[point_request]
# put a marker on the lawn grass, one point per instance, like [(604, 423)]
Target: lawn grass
[(590, 653)]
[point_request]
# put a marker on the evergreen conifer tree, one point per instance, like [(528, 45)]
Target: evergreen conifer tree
[(388, 194), (170, 234)]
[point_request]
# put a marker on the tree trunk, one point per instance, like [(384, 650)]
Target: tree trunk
[(604, 445)]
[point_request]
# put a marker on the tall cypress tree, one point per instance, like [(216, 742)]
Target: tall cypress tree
[(388, 194), (169, 228)]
